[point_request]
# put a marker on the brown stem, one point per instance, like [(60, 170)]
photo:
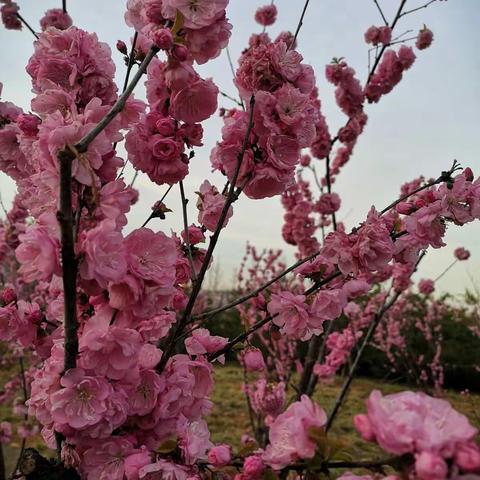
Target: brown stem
[(300, 23), (69, 260), (232, 194), (27, 25), (64, 6), (187, 233), (418, 8), (381, 11), (254, 293)]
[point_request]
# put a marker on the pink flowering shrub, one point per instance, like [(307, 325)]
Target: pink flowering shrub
[(108, 323)]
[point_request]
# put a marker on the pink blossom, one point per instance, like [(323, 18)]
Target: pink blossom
[(461, 253), (196, 102), (426, 286), (210, 205), (467, 457), (253, 467), (425, 423), (201, 342), (134, 462), (220, 455), (9, 16), (429, 466), (290, 312), (364, 427), (424, 38), (253, 360), (57, 18), (328, 203), (162, 38), (104, 259), (266, 15), (81, 402), (289, 435), (38, 253), (328, 304), (376, 35), (164, 470), (195, 235), (151, 256), (5, 432), (200, 14)]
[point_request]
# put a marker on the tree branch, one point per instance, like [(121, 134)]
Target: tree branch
[(232, 194), (418, 8), (381, 12), (64, 6), (366, 340), (83, 144), (27, 25), (299, 26), (187, 233)]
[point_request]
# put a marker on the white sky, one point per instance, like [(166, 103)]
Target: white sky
[(427, 121)]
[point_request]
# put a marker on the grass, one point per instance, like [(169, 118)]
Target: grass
[(229, 417)]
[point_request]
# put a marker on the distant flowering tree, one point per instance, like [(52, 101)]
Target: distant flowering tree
[(119, 367)]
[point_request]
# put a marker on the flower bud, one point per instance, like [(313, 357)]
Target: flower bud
[(122, 47)]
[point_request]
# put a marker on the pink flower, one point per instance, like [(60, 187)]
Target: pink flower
[(195, 235), (426, 286), (134, 462), (220, 455), (57, 18), (467, 457), (266, 15), (5, 432), (151, 256), (110, 351), (364, 427), (328, 203), (374, 246), (376, 35), (81, 402), (253, 467), (253, 360), (210, 205), (328, 304), (196, 102), (424, 38), (200, 14), (289, 435), (38, 254), (201, 342), (429, 466), (162, 38), (461, 253), (413, 422), (9, 16), (104, 259), (290, 312)]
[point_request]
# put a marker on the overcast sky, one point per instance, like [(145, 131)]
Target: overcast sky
[(430, 119)]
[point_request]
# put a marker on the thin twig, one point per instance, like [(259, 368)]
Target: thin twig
[(153, 214), (211, 247), (366, 340), (418, 8), (187, 233), (381, 12), (64, 6), (254, 293), (329, 189), (233, 99), (445, 271), (83, 144), (299, 26), (27, 25)]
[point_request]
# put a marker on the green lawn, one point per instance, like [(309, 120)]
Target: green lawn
[(229, 418)]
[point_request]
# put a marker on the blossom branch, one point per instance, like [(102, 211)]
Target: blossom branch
[(445, 271), (69, 260), (381, 11), (300, 23), (187, 233), (366, 340), (83, 144), (232, 194), (154, 212), (34, 33), (254, 293), (64, 6), (418, 8)]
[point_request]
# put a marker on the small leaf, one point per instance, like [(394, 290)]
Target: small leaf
[(168, 446)]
